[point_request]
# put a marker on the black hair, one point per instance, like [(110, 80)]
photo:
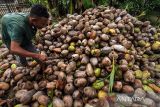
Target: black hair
[(38, 10)]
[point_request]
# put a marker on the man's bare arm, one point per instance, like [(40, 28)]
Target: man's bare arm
[(17, 49)]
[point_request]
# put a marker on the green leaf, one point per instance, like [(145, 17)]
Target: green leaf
[(141, 14), (50, 93), (103, 2), (88, 4), (147, 88), (70, 7), (50, 104), (1, 42), (118, 74), (1, 71), (112, 76)]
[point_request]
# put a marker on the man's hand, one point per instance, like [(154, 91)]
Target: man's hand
[(42, 57), (17, 49)]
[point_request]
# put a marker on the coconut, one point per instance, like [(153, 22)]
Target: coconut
[(43, 100), (58, 102), (90, 92), (68, 101)]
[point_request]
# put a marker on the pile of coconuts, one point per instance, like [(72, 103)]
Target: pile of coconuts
[(102, 58)]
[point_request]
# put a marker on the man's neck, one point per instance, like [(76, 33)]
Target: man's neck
[(30, 20)]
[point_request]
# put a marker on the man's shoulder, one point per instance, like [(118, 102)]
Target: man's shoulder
[(15, 15), (15, 19)]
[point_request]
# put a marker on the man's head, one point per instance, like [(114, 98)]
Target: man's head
[(39, 16)]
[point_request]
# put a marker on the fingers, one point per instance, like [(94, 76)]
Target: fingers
[(43, 57)]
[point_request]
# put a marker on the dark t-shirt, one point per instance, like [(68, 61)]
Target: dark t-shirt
[(16, 27)]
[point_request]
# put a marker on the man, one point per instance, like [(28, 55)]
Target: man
[(18, 29)]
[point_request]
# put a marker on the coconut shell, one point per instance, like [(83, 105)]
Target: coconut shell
[(89, 70), (71, 67), (129, 77), (4, 86), (68, 101), (69, 88), (118, 86), (58, 93), (76, 94), (35, 104), (80, 82), (106, 61), (36, 95), (91, 79), (42, 84), (127, 89), (28, 85), (5, 66), (138, 83), (90, 92), (43, 100), (80, 74), (78, 103), (24, 96), (51, 85), (58, 102)]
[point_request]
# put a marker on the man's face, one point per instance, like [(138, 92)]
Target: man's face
[(40, 22)]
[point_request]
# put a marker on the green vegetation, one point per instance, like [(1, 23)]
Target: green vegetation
[(142, 9)]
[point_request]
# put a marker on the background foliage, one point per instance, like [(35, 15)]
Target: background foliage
[(142, 9)]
